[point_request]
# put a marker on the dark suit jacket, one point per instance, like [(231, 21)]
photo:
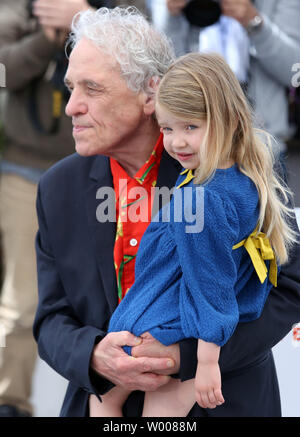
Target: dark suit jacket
[(78, 293)]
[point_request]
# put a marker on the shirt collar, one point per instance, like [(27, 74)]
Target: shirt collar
[(145, 170), (189, 176)]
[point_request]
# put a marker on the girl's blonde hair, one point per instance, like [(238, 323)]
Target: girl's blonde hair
[(202, 86)]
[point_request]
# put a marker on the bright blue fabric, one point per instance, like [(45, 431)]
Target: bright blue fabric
[(194, 284)]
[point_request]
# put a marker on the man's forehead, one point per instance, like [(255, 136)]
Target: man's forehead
[(93, 64), (87, 51)]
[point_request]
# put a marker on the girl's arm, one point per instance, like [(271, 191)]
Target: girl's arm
[(208, 391)]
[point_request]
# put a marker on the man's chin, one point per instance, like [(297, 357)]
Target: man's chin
[(84, 150)]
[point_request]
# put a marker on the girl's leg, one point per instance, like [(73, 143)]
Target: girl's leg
[(174, 399), (111, 405)]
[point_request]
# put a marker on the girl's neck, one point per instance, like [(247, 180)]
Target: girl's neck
[(226, 164)]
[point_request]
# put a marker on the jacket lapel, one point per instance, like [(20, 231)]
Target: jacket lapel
[(102, 234), (168, 171)]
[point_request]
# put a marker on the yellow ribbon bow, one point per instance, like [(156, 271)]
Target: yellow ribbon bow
[(189, 177), (257, 245), (259, 248)]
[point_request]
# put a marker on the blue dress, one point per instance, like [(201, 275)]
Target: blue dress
[(189, 282)]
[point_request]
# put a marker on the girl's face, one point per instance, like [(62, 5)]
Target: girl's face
[(182, 138)]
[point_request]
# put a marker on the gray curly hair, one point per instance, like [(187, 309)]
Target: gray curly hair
[(141, 51)]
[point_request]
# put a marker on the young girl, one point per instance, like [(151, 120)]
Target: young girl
[(201, 284)]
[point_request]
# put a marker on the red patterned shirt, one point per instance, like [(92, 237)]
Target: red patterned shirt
[(133, 213)]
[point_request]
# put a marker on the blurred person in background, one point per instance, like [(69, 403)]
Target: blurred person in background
[(273, 32), (181, 20), (37, 134), (86, 261), (141, 5), (1, 142), (167, 16)]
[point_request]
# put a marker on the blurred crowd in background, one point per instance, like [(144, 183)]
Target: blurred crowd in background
[(35, 133)]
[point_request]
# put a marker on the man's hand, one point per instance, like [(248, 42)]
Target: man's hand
[(111, 362), (175, 6), (57, 13), (150, 347), (208, 376), (242, 10)]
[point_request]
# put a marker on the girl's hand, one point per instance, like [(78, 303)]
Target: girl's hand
[(208, 385)]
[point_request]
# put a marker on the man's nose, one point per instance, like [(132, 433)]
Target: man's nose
[(75, 105)]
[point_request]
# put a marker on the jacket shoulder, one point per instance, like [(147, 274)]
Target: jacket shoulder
[(72, 170)]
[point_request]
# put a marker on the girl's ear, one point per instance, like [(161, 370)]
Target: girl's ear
[(149, 105)]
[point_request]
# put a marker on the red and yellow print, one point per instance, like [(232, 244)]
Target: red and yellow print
[(129, 232)]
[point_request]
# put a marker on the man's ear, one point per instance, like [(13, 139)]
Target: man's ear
[(149, 105)]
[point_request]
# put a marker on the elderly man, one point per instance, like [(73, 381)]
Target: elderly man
[(37, 134), (85, 264)]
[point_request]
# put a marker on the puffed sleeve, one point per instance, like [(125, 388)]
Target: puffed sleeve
[(204, 236)]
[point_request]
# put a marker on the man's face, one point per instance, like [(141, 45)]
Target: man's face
[(106, 115)]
